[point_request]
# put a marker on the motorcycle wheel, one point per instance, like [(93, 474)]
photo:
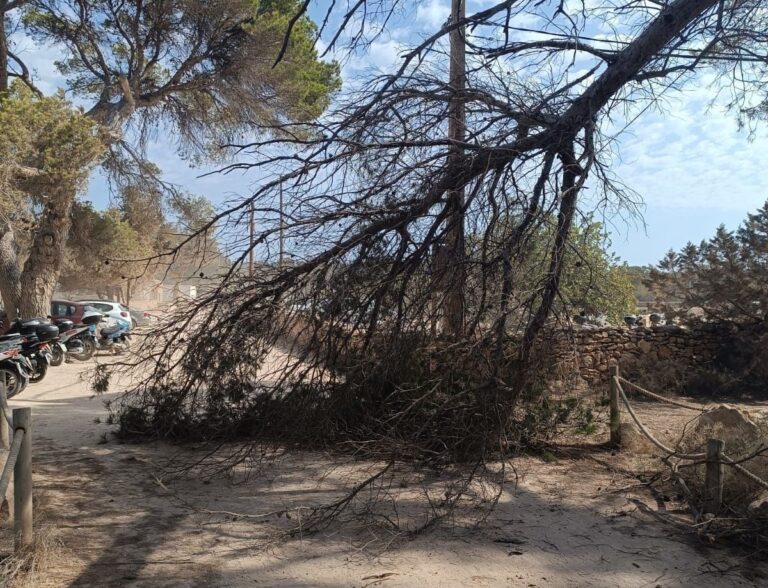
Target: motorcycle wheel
[(41, 369), (57, 356), (89, 348), (16, 383)]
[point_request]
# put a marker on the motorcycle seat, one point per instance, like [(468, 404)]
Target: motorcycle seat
[(106, 331)]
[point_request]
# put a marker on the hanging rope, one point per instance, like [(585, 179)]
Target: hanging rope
[(697, 458), (10, 463), (647, 433), (745, 472), (697, 408)]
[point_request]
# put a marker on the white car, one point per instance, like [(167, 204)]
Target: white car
[(111, 310)]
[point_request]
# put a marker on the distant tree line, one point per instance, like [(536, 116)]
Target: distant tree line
[(726, 276), (114, 252), (724, 280)]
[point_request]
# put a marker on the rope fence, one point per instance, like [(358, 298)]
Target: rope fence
[(714, 458), (10, 463), (745, 472), (18, 464), (647, 433), (659, 397)]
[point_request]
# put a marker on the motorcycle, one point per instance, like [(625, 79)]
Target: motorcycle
[(71, 341), (15, 369), (58, 353), (88, 338), (34, 338), (116, 337), (39, 355)]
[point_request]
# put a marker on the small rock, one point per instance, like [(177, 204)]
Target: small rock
[(734, 422), (759, 508), (645, 346)]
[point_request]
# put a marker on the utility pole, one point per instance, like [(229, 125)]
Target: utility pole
[(4, 79), (251, 231), (282, 231), (455, 258)]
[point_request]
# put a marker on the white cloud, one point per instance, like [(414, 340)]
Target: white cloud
[(693, 155), (433, 13), (382, 56)]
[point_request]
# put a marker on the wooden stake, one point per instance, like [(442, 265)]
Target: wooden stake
[(5, 444), (5, 430), (713, 482), (22, 481), (615, 422)]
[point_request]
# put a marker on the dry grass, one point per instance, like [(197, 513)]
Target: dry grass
[(26, 568)]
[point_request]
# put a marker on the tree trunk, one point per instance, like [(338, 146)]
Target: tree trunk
[(10, 286), (128, 292), (41, 270)]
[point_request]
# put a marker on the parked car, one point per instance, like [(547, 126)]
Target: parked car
[(111, 310), (68, 310), (142, 318)]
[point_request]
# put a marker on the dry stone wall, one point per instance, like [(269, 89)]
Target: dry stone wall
[(591, 351)]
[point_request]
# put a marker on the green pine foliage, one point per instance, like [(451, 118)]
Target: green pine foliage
[(724, 278)]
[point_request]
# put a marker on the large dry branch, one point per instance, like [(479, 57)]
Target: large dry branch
[(341, 345)]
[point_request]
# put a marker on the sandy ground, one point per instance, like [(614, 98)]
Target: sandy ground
[(569, 522)]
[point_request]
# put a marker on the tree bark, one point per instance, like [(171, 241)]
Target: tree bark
[(41, 270), (128, 292), (10, 286)]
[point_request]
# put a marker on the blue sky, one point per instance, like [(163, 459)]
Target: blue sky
[(691, 164)]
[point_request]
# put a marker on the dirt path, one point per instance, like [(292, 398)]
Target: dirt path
[(565, 525), (112, 525)]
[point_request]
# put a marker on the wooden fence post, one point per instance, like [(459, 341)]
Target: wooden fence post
[(5, 430), (5, 444), (22, 480), (615, 422), (713, 482)]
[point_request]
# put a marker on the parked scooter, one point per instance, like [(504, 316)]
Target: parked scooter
[(39, 355), (36, 337), (70, 342), (116, 337), (15, 369), (83, 343)]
